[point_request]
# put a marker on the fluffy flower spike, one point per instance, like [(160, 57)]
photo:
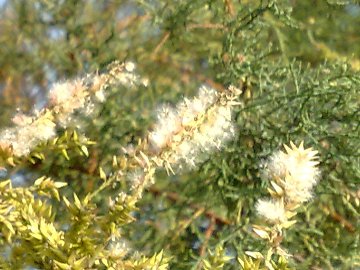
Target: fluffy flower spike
[(65, 98), (295, 170), (293, 174), (271, 210), (185, 134)]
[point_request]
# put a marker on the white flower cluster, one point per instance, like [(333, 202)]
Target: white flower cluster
[(293, 175), (27, 133), (136, 178), (125, 74), (296, 170), (185, 134), (272, 210), (65, 98), (118, 249), (82, 94)]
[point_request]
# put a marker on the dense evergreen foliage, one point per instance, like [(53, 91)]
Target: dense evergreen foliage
[(295, 68)]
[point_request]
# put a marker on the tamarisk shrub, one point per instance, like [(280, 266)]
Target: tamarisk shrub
[(169, 157)]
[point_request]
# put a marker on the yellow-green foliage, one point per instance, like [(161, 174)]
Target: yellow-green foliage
[(216, 259), (29, 229), (249, 263)]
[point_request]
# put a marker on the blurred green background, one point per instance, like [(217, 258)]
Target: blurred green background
[(297, 63)]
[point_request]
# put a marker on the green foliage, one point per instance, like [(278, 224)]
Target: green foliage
[(216, 260), (297, 64)]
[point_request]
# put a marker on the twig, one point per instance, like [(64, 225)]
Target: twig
[(183, 225), (91, 170), (208, 233), (230, 8), (165, 60), (161, 43), (206, 26), (337, 217), (174, 197), (124, 23)]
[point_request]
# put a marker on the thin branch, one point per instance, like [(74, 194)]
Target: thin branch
[(174, 197), (161, 43), (339, 218), (187, 71), (208, 233), (229, 5), (124, 23), (206, 26)]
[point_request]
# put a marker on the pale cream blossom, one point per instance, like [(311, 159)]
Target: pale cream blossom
[(136, 178), (28, 132), (272, 210), (190, 109), (130, 66), (100, 95), (184, 135), (217, 130), (80, 95), (21, 119), (124, 74), (119, 248), (60, 93), (295, 170), (292, 175)]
